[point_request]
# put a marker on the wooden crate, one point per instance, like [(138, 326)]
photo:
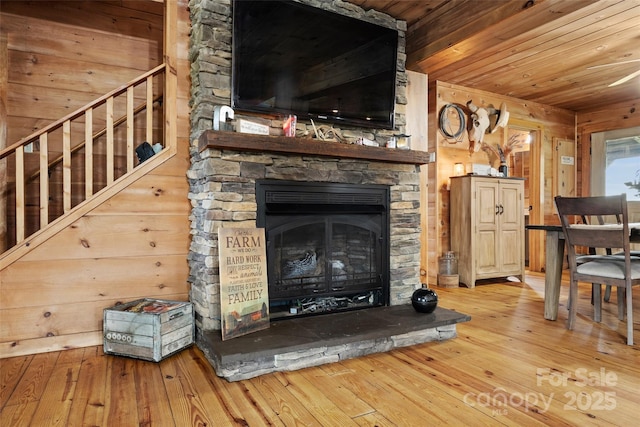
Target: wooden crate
[(149, 329)]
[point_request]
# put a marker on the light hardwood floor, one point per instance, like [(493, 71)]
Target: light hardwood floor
[(508, 366)]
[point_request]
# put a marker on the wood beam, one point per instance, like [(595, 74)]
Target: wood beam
[(282, 144)]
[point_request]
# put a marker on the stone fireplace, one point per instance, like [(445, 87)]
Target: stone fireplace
[(223, 176), (367, 251), (223, 193), (229, 177)]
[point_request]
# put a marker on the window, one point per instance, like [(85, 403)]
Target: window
[(622, 172), (615, 163)]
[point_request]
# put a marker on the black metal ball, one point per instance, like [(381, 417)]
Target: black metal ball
[(424, 300)]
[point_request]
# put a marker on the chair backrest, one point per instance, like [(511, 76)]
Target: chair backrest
[(601, 220), (603, 236)]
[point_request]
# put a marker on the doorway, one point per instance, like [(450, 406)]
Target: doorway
[(525, 161)]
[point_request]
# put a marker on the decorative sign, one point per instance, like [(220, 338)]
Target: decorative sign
[(564, 167), (567, 160), (244, 299), (245, 126)]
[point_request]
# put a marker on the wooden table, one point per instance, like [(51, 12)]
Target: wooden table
[(554, 257)]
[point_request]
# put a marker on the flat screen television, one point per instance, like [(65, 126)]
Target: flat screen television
[(291, 58)]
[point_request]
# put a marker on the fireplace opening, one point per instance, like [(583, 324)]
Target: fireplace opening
[(327, 246)]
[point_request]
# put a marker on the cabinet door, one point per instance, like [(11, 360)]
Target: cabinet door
[(486, 206), (511, 245)]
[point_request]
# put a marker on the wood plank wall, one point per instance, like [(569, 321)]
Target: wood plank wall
[(552, 123), (136, 243), (63, 54), (417, 127)]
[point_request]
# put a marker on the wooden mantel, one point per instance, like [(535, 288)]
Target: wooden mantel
[(281, 144)]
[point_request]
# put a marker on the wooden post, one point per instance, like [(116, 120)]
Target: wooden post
[(417, 127), (4, 77)]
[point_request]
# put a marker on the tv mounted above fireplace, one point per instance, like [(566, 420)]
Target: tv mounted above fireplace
[(292, 58)]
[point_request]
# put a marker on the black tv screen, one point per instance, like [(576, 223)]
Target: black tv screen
[(290, 58)]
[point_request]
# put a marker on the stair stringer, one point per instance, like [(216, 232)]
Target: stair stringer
[(36, 239)]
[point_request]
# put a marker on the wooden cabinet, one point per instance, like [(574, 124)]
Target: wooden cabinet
[(487, 227)]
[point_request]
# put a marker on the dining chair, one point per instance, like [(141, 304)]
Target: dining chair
[(622, 271), (607, 290), (592, 256)]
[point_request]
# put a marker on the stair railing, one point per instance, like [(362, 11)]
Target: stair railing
[(101, 132), (108, 153)]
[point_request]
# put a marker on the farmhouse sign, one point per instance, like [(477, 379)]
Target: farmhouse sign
[(244, 298)]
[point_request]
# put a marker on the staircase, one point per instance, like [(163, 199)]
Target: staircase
[(90, 225), (59, 172)]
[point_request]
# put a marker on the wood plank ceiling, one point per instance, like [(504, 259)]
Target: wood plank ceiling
[(563, 53)]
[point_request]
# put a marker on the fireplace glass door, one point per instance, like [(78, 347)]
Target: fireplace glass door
[(325, 257)]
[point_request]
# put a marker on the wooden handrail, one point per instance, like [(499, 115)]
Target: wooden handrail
[(98, 134)]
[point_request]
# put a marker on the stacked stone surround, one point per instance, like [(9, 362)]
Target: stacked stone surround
[(223, 194), (222, 183)]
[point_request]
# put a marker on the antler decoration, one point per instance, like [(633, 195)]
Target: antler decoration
[(503, 152), (490, 149)]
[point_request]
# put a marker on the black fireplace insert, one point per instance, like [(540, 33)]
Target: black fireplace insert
[(327, 246)]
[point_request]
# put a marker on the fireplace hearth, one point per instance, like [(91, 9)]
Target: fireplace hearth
[(311, 341), (327, 246)]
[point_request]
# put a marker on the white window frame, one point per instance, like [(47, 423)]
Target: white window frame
[(598, 164)]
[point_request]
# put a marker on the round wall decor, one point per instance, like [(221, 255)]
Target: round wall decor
[(452, 122)]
